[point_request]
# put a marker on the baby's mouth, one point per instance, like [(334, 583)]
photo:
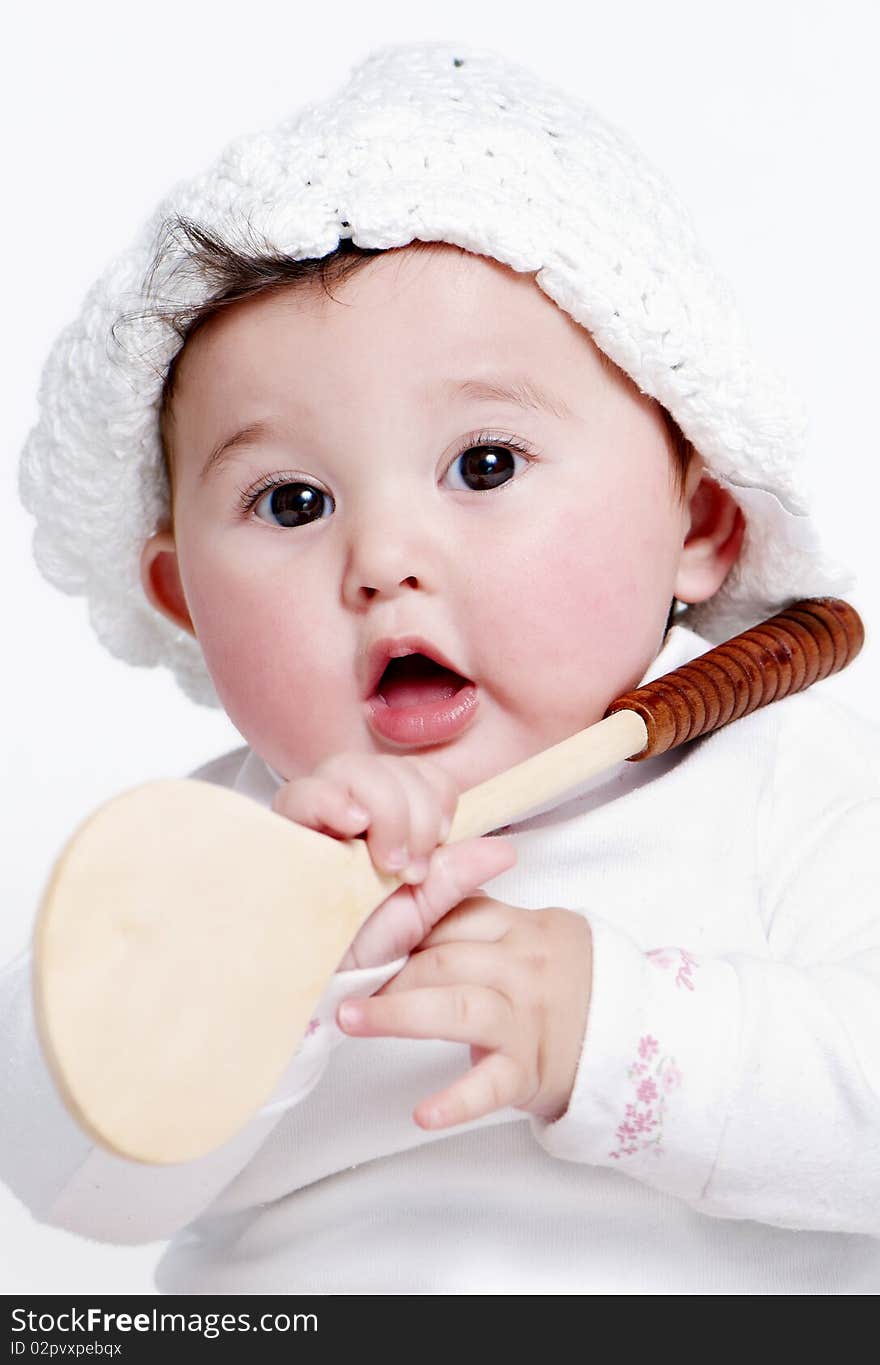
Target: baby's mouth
[(416, 680), (418, 702)]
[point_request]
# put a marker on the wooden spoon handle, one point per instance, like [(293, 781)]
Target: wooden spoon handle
[(786, 654), (547, 775)]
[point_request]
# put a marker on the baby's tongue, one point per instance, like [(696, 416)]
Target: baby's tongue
[(416, 681)]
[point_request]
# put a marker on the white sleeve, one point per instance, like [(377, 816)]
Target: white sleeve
[(68, 1181), (748, 1086)]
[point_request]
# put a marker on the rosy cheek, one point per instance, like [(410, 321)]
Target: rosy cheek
[(234, 642), (235, 619), (590, 594), (275, 652)]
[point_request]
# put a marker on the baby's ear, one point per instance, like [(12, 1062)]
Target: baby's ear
[(160, 576), (712, 542)]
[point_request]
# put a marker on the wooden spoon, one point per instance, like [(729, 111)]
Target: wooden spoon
[(186, 932)]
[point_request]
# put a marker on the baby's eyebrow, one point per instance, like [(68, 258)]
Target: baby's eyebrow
[(522, 392), (248, 435)]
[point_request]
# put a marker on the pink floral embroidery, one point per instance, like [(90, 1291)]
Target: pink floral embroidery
[(647, 1047), (668, 957), (647, 1091), (314, 1025), (642, 1128)]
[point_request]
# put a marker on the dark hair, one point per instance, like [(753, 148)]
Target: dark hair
[(241, 274)]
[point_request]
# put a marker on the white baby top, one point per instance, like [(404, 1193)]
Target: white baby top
[(723, 1134)]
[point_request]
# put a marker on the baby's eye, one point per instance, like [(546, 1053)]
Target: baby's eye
[(485, 466), (290, 504)]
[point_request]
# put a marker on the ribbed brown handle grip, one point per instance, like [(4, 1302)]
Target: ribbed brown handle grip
[(788, 653)]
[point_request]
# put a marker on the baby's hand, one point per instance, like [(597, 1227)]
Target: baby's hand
[(404, 805), (515, 984)]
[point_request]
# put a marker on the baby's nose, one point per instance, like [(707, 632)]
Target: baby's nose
[(387, 560), (369, 590)]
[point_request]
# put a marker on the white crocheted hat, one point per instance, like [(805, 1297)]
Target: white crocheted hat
[(443, 142)]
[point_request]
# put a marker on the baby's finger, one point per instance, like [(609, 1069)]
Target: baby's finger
[(460, 964), (494, 1083), (453, 1014), (429, 817), (456, 871), (323, 805), (474, 918), (401, 922), (391, 932), (445, 791), (380, 791)]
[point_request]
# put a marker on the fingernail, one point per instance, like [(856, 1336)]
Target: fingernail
[(445, 829), (349, 1015), (416, 871), (397, 858), (358, 813)]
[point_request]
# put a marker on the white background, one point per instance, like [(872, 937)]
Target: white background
[(763, 114)]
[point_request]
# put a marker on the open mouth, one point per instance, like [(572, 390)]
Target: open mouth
[(416, 680), (419, 702)]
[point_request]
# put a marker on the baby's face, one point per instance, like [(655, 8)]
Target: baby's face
[(540, 566)]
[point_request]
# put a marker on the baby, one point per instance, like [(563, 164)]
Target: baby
[(432, 433), (474, 550)]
